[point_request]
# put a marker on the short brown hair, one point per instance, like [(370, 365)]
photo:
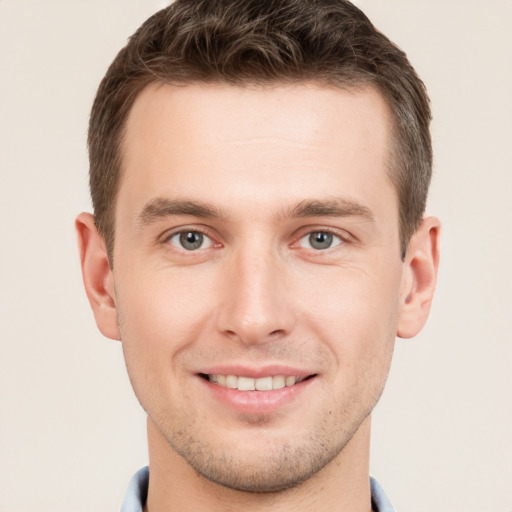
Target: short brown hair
[(243, 42)]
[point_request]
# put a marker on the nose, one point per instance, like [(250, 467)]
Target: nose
[(256, 305)]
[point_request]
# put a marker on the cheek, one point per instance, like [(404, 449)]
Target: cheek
[(357, 314), (158, 319), (162, 306)]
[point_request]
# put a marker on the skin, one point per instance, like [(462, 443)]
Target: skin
[(256, 171)]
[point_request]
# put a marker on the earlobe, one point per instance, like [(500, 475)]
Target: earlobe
[(97, 276), (419, 278)]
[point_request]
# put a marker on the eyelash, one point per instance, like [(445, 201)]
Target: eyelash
[(341, 238), (335, 240), (183, 231)]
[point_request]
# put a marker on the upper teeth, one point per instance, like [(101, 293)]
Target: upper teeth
[(250, 384)]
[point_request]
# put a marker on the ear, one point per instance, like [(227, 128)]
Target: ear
[(419, 278), (97, 276)]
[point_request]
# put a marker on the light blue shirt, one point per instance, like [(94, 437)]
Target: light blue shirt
[(138, 490)]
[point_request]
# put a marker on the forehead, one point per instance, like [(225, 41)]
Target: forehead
[(216, 110), (235, 139)]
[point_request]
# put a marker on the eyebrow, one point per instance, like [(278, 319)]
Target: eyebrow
[(334, 207), (166, 207), (160, 207)]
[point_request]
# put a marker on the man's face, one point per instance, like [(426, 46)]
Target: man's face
[(257, 245)]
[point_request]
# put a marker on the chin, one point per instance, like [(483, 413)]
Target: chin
[(267, 467), (267, 475)]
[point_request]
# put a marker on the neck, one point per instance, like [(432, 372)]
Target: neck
[(343, 484)]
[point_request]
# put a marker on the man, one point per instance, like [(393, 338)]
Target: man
[(259, 173)]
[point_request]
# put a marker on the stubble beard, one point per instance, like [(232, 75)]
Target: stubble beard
[(280, 467)]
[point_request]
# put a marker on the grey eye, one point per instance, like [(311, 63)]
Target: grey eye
[(190, 240), (320, 240)]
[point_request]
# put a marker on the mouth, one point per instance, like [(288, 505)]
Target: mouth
[(263, 391), (242, 383)]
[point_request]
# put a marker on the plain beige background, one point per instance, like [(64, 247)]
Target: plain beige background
[(71, 432)]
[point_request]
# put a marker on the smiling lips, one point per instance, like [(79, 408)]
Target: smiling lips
[(259, 393), (252, 384)]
